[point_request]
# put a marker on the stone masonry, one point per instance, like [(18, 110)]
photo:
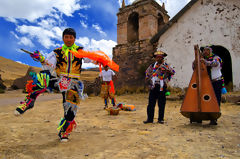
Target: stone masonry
[(137, 23)]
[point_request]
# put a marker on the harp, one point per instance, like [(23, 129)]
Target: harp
[(200, 102)]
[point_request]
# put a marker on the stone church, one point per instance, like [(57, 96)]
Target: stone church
[(144, 26)]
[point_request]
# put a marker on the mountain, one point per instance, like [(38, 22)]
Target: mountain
[(11, 70)]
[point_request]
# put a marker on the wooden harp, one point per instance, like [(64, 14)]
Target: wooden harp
[(200, 102)]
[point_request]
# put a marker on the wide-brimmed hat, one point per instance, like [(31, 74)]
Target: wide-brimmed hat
[(159, 53)]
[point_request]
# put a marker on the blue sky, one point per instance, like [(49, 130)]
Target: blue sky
[(38, 25)]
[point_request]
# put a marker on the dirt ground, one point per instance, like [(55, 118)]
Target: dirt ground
[(101, 136)]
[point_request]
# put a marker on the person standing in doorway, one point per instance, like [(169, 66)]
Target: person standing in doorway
[(214, 66)]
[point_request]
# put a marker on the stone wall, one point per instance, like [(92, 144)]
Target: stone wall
[(134, 57), (92, 88), (133, 60)]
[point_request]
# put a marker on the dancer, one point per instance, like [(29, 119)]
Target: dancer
[(107, 91), (61, 71)]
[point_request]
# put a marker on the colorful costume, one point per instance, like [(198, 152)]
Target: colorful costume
[(107, 90), (68, 69), (35, 87), (214, 66), (157, 76)]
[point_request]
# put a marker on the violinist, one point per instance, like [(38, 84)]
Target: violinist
[(158, 75)]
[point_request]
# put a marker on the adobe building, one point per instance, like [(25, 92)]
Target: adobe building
[(202, 22), (137, 24)]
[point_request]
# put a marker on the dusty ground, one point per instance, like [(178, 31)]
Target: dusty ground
[(99, 135)]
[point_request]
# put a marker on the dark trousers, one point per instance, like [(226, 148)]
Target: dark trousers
[(69, 116), (217, 86), (154, 95)]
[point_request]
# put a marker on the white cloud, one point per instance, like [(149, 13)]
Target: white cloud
[(21, 62), (172, 6), (85, 6), (99, 29), (66, 6), (103, 45), (46, 15), (10, 19), (84, 25), (93, 45), (58, 32), (82, 16), (88, 65), (15, 35), (120, 3), (34, 9), (84, 41), (48, 23), (26, 41), (129, 1), (43, 35), (45, 32), (58, 17)]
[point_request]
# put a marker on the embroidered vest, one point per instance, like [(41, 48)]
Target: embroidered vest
[(67, 64)]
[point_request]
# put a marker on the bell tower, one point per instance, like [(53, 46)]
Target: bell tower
[(137, 24), (140, 20)]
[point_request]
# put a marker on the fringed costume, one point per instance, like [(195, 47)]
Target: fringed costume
[(67, 72), (34, 88)]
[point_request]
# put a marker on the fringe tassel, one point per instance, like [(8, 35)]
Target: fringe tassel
[(61, 124), (112, 90), (72, 125), (29, 86)]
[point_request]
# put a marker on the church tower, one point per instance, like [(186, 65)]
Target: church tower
[(137, 24)]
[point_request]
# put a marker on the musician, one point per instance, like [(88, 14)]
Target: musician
[(158, 75), (214, 65)]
